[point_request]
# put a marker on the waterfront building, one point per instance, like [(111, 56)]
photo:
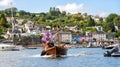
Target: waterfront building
[(98, 28), (65, 37), (29, 26), (72, 28), (99, 36)]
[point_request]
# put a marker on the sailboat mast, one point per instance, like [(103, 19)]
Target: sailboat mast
[(58, 35), (12, 18), (12, 21)]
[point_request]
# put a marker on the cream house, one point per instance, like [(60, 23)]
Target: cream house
[(65, 37), (29, 26), (99, 36)]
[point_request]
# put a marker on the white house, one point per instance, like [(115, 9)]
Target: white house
[(98, 28), (65, 37), (29, 26), (99, 36), (72, 28)]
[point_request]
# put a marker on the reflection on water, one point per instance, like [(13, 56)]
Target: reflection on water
[(76, 57)]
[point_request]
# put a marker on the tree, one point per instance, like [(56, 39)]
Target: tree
[(3, 21), (2, 29), (8, 11), (54, 11), (118, 33), (63, 13), (111, 17), (91, 22), (117, 21), (109, 26), (77, 17)]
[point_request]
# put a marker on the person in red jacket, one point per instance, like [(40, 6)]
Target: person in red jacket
[(48, 44)]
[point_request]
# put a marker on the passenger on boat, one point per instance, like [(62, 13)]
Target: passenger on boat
[(48, 44)]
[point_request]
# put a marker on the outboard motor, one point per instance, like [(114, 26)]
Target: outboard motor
[(107, 54)]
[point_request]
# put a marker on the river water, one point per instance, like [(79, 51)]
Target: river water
[(76, 57)]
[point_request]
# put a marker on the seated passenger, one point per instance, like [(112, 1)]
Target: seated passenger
[(48, 44)]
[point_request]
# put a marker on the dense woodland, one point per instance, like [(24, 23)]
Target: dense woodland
[(54, 17)]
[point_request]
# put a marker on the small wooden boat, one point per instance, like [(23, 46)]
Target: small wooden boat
[(57, 50)]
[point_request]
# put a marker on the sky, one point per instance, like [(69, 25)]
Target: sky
[(92, 7)]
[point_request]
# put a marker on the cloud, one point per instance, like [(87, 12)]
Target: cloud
[(5, 2), (102, 14), (71, 8)]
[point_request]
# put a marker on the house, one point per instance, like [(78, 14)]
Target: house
[(99, 36), (98, 28), (72, 28), (29, 26), (19, 21), (110, 37), (65, 37), (96, 18)]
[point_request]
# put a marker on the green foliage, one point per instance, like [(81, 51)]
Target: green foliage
[(111, 21), (111, 17), (24, 21), (3, 24), (55, 17), (91, 29), (3, 20), (91, 22), (2, 30), (54, 11), (118, 33), (108, 27), (117, 21)]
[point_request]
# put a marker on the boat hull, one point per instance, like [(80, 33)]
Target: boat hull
[(115, 54), (55, 51), (6, 48)]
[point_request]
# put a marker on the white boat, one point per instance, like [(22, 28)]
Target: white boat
[(116, 54), (110, 46), (18, 48), (6, 47)]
